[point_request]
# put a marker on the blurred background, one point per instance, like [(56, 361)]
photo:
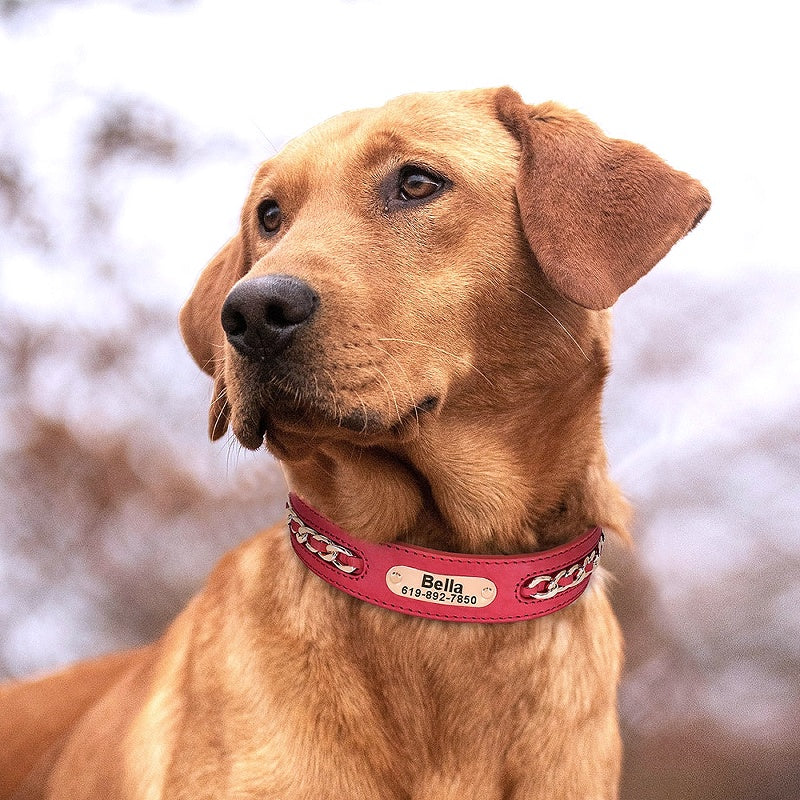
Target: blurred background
[(129, 131)]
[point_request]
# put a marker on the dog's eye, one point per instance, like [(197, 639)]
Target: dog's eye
[(417, 184), (269, 216)]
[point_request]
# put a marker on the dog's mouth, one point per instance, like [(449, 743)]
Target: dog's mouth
[(274, 410)]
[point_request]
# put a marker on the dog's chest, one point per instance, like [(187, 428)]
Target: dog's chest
[(392, 719), (328, 699)]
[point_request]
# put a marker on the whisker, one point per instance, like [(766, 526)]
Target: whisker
[(266, 138), (222, 392), (558, 321), (218, 400), (337, 413), (235, 449), (394, 396), (366, 416), (220, 415), (402, 369)]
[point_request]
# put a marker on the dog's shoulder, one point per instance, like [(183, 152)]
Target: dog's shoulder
[(39, 715)]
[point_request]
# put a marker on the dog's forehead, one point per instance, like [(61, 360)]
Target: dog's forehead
[(451, 128)]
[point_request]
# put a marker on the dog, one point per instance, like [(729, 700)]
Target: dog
[(412, 319)]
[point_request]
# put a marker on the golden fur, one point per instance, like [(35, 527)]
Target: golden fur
[(447, 394)]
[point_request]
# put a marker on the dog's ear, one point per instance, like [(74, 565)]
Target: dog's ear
[(598, 213), (201, 327)]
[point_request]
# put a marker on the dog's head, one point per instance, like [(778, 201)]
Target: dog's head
[(440, 257)]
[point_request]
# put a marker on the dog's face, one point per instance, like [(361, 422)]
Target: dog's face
[(424, 260)]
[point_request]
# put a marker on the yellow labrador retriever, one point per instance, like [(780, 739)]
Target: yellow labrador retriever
[(411, 319)]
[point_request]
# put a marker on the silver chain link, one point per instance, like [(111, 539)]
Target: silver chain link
[(577, 573), (308, 536)]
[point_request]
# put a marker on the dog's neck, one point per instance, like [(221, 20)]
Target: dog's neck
[(459, 489)]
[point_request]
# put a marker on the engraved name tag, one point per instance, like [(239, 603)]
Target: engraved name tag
[(448, 590)]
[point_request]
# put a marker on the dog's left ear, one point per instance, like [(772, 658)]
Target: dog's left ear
[(598, 213), (201, 326)]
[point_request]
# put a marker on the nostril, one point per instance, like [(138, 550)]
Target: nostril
[(233, 323), (283, 314), (292, 303), (276, 315)]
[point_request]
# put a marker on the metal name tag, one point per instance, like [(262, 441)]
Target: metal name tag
[(448, 590)]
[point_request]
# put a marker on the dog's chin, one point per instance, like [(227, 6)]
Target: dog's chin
[(294, 424)]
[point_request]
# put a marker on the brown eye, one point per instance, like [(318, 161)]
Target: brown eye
[(417, 184), (269, 216)]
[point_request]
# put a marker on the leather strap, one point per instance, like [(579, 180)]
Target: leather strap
[(445, 586)]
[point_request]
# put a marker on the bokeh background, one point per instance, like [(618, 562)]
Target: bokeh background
[(129, 131)]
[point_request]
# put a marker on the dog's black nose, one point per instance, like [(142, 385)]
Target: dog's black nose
[(261, 315)]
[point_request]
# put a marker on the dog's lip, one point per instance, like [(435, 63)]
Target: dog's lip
[(295, 415), (361, 420), (412, 416), (365, 422), (253, 430), (428, 404)]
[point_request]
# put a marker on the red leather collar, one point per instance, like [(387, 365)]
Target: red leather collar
[(444, 586)]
